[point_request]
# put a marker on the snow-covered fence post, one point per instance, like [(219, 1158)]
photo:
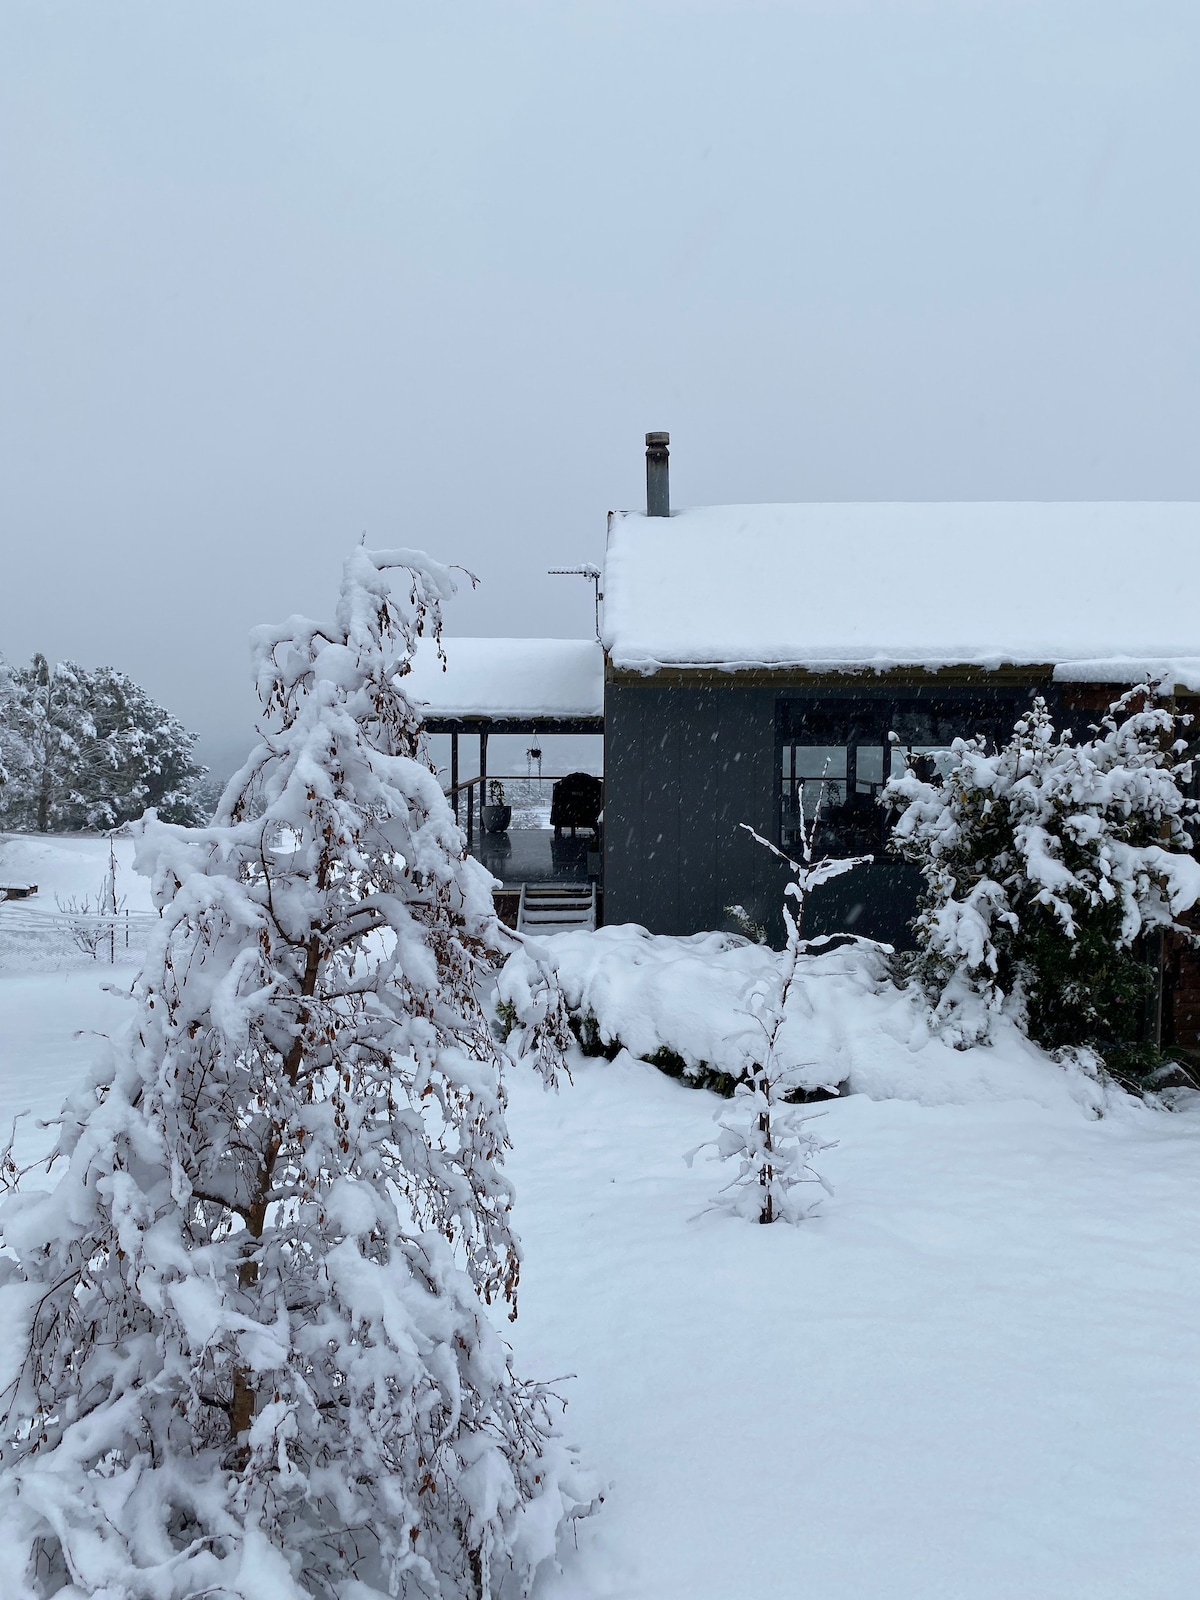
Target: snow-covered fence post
[(247, 1350), (109, 906)]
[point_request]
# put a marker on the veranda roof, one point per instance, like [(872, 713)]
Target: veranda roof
[(511, 685), (1100, 592)]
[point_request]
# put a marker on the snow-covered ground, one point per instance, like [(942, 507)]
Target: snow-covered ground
[(54, 998), (975, 1376), (70, 864)]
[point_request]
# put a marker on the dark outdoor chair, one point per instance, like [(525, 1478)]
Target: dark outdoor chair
[(576, 802)]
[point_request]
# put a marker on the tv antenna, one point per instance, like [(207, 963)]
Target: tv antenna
[(586, 571)]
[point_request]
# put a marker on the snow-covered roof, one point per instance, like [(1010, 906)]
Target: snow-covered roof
[(511, 678), (1104, 592)]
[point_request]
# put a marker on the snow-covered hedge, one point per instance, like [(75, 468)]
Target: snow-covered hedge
[(847, 1023), (689, 1004)]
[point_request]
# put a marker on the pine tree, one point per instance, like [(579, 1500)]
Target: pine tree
[(1045, 864), (15, 755), (255, 1357), (47, 713), (143, 757), (96, 751)]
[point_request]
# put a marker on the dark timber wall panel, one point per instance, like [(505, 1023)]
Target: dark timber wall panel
[(683, 768), (623, 829)]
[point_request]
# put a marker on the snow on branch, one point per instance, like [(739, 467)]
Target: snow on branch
[(1047, 863), (763, 1131), (249, 1351)]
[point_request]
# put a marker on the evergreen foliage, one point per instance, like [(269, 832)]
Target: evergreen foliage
[(88, 749), (254, 1357), (1047, 865), (14, 753)]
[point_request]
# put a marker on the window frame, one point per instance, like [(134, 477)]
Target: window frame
[(921, 716)]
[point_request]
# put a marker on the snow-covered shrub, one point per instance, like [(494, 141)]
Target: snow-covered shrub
[(682, 1003), (89, 749), (245, 1349), (746, 925), (1045, 864)]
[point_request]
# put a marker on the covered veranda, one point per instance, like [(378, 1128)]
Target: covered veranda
[(536, 688)]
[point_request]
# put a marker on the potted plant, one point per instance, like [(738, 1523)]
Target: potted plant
[(495, 816)]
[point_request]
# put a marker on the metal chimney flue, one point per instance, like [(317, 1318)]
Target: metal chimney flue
[(658, 489)]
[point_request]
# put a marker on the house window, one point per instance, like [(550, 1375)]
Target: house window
[(814, 776), (836, 753), (839, 787)]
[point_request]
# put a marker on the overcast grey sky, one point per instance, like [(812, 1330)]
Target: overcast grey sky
[(274, 274)]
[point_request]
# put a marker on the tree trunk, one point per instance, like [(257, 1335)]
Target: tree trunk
[(241, 1409), (767, 1214), (43, 801)]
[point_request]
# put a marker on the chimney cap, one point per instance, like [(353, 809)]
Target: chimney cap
[(659, 439)]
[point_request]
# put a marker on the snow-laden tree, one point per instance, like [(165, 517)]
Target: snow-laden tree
[(762, 1129), (245, 1337), (1045, 862), (15, 755), (148, 760), (96, 751), (46, 711)]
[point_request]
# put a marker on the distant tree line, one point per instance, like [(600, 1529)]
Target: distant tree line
[(85, 749)]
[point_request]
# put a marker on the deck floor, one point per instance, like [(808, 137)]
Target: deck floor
[(534, 855)]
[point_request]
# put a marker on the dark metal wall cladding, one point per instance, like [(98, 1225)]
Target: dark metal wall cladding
[(685, 765)]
